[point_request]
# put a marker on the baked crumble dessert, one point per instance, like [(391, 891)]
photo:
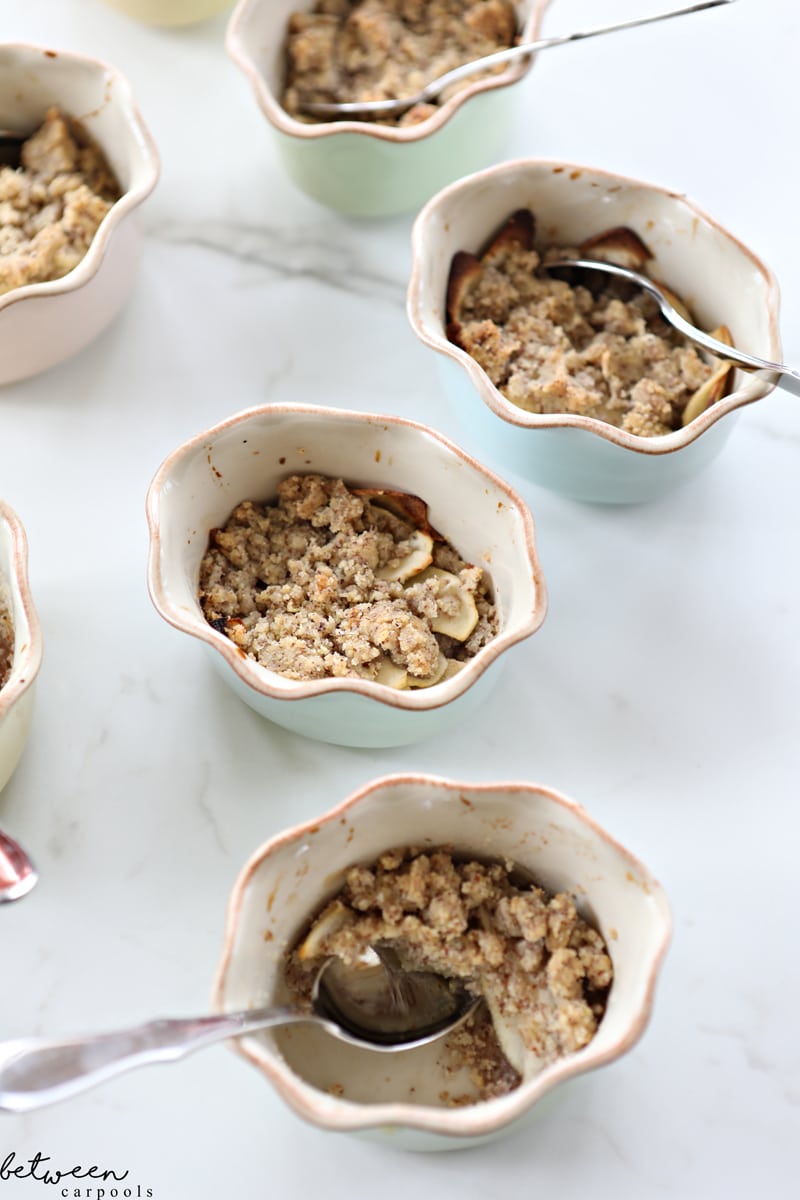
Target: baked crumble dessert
[(355, 50), (542, 970), (594, 345), (52, 205), (335, 580), (6, 643)]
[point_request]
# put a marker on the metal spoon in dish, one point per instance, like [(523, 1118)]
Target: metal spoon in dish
[(437, 86), (17, 873), (372, 1006), (772, 372)]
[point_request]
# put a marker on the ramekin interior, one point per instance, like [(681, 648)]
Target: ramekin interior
[(246, 456), (284, 883)]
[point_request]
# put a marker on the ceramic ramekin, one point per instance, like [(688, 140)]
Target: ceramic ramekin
[(719, 278), (366, 170), (16, 697), (42, 324), (343, 1088), (245, 457)]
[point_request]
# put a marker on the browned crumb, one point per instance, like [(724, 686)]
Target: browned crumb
[(598, 348), (539, 965), (51, 207), (325, 582), (6, 643), (351, 50)]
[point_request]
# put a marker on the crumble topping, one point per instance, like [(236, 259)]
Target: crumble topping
[(330, 580), (52, 205), (543, 971), (596, 346), (6, 643), (351, 50)]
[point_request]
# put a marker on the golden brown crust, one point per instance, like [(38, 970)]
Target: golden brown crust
[(465, 269), (620, 245), (517, 232)]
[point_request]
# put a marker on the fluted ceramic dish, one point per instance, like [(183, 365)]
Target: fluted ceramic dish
[(42, 324), (359, 168), (396, 1098), (245, 457), (721, 280), (17, 696)]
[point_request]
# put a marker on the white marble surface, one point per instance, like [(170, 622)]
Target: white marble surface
[(661, 691)]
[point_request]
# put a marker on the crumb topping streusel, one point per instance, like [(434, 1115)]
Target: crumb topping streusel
[(597, 347), (52, 205), (541, 968), (6, 643), (331, 580), (356, 50)]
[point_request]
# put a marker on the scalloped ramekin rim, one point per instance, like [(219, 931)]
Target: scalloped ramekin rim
[(275, 113), (331, 1112), (27, 629), (89, 265), (513, 415), (260, 678)]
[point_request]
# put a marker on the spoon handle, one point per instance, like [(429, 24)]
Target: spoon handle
[(511, 53), (38, 1071)]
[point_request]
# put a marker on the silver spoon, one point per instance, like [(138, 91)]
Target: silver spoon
[(772, 372), (373, 1006), (17, 873), (436, 86)]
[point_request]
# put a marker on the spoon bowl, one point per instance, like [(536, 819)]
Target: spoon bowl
[(383, 108), (376, 1006)]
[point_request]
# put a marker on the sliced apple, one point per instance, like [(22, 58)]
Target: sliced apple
[(518, 230), (438, 673), (419, 556), (715, 386), (403, 505), (465, 270), (619, 245), (391, 675), (459, 623), (329, 922), (675, 301)]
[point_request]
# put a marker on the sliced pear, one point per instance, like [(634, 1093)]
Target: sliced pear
[(460, 623), (453, 667), (419, 556), (330, 921), (715, 386), (436, 676), (619, 245)]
